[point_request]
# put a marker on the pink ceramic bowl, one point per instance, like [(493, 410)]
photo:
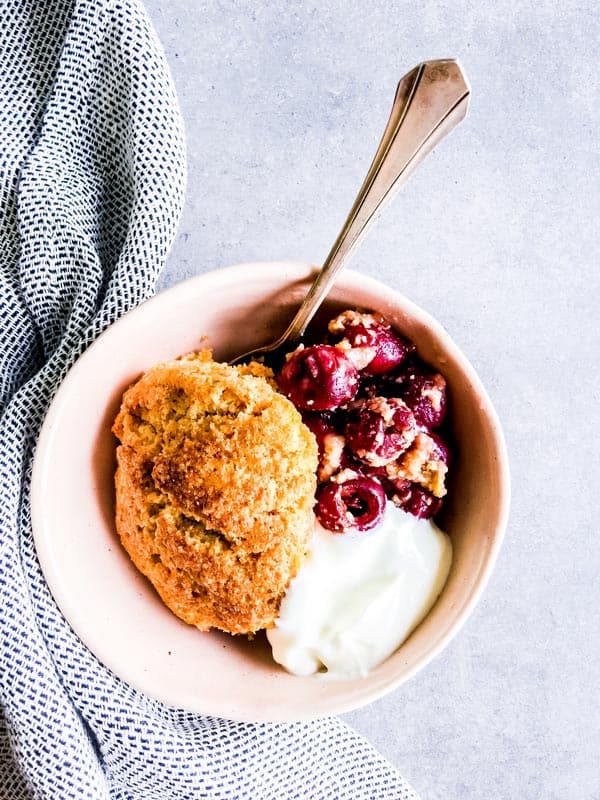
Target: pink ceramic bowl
[(115, 610)]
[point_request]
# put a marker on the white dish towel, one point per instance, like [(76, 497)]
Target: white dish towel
[(92, 165)]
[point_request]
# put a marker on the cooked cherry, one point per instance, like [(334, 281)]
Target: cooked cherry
[(386, 349), (396, 488), (329, 442), (425, 394), (421, 503), (391, 352), (380, 429), (319, 378), (439, 449), (356, 503), (319, 426), (424, 463), (411, 497)]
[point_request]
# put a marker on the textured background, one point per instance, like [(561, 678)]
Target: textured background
[(497, 236)]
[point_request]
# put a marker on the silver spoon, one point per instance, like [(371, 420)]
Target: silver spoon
[(430, 101)]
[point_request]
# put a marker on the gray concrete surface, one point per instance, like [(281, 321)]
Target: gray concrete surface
[(497, 236)]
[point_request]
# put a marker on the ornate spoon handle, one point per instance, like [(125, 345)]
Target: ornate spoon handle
[(430, 101)]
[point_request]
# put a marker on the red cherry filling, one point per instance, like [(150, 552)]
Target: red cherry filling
[(421, 503), (391, 352), (329, 442), (439, 449), (425, 394), (411, 498), (319, 378), (371, 404), (380, 429), (356, 503), (384, 347), (319, 426), (424, 463)]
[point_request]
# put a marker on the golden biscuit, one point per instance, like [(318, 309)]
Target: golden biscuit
[(215, 488)]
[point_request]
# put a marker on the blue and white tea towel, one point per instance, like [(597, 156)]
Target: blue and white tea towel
[(93, 171)]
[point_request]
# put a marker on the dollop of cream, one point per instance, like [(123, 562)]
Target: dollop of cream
[(359, 595)]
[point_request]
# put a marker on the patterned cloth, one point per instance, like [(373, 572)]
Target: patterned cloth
[(92, 171)]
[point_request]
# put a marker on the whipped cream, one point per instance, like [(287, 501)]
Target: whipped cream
[(359, 595)]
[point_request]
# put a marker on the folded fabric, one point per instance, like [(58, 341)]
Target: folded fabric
[(93, 171)]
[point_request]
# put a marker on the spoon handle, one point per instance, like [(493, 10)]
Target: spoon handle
[(430, 101)]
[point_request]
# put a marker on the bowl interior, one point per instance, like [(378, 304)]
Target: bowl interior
[(116, 612)]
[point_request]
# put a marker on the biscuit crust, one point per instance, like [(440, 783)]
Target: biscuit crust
[(214, 490)]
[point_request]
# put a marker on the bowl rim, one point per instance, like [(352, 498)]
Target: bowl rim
[(294, 270)]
